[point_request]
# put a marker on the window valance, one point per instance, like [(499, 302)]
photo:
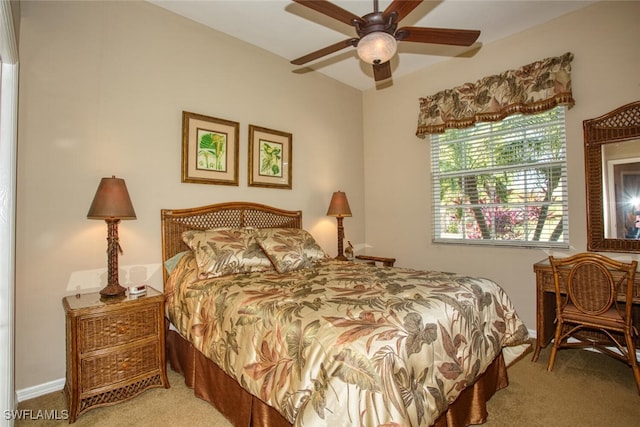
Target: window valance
[(533, 88)]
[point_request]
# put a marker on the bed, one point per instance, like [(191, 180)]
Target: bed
[(302, 339)]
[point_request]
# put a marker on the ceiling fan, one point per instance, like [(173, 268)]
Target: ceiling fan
[(377, 34)]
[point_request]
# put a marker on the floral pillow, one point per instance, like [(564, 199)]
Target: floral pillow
[(289, 249), (225, 251)]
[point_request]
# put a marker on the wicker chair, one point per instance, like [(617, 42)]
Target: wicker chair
[(587, 309)]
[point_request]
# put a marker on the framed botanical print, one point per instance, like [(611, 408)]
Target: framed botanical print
[(210, 149), (270, 158)]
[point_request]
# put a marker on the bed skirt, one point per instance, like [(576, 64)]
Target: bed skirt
[(242, 409)]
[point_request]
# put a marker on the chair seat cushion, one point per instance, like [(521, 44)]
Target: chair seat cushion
[(610, 319)]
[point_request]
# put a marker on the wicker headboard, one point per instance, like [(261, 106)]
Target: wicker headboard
[(234, 214)]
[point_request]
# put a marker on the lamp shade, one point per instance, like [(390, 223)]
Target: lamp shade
[(377, 47), (111, 200), (339, 205)]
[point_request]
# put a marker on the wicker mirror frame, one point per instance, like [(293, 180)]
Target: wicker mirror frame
[(621, 124)]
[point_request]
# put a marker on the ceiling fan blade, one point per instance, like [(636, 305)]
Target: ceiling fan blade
[(401, 7), (437, 35), (331, 10), (382, 71), (325, 51)]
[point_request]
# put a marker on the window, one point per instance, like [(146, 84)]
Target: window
[(502, 183)]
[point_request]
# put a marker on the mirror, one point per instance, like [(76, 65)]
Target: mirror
[(621, 189), (612, 167)]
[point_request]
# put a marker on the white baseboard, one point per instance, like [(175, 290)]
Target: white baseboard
[(39, 390)]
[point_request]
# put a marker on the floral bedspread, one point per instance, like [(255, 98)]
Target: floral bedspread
[(347, 344)]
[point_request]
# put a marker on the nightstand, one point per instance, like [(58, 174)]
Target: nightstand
[(115, 348), (387, 262)]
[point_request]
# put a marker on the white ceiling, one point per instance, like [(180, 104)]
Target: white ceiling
[(291, 30)]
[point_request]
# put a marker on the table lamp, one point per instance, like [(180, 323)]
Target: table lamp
[(112, 203), (339, 207)]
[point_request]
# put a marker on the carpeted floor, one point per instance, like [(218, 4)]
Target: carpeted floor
[(584, 389)]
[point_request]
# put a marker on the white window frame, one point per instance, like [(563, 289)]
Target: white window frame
[(462, 227)]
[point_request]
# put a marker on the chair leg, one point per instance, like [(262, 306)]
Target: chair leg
[(556, 345), (633, 361)]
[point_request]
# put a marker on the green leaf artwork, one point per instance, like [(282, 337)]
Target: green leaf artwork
[(270, 158), (212, 148)]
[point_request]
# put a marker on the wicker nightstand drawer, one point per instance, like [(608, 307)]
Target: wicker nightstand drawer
[(115, 349), (104, 331), (111, 368)]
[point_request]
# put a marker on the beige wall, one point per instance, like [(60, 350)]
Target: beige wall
[(605, 73), (102, 88), (103, 85)]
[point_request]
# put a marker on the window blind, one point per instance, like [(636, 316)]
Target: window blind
[(502, 183)]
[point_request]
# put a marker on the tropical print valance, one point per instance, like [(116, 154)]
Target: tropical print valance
[(533, 88)]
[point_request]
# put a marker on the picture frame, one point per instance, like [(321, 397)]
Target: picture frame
[(210, 148), (270, 158)]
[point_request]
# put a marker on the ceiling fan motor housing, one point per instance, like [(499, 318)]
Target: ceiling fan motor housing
[(376, 21)]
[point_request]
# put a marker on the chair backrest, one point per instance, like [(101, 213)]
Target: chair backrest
[(592, 283)]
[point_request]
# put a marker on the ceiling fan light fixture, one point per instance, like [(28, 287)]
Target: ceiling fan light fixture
[(377, 47)]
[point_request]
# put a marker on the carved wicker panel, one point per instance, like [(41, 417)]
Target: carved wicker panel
[(620, 124), (125, 392)]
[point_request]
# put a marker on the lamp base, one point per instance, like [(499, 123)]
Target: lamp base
[(113, 290)]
